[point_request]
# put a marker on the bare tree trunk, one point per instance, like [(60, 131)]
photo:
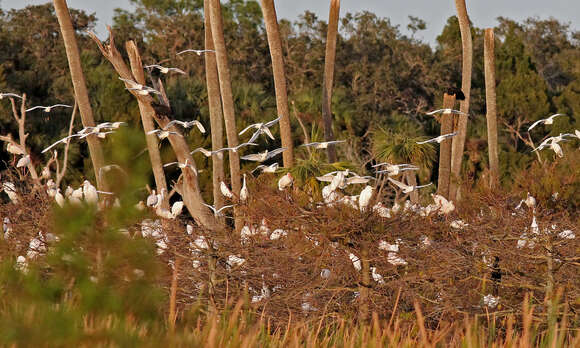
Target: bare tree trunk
[(445, 147), (147, 116), (467, 54), (491, 106), (80, 86), (223, 69), (275, 43), (328, 79), (365, 284), (215, 111), (189, 190)]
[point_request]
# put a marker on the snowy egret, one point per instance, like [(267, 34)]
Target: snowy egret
[(546, 121), (438, 139), (48, 108), (164, 70), (323, 145)]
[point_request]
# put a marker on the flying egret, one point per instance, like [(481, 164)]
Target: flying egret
[(61, 141), (164, 70), (182, 166), (438, 139), (323, 145), (186, 124), (285, 182), (48, 108), (198, 52), (407, 188), (446, 111), (546, 121), (9, 95), (205, 152), (262, 127), (217, 212), (263, 156), (272, 168), (394, 169), (162, 134), (244, 191)]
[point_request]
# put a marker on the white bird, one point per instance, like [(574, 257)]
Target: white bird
[(285, 182), (198, 52), (407, 188), (530, 201), (577, 133), (10, 190), (225, 190), (205, 152), (217, 212), (162, 134), (356, 263), (394, 169), (357, 179), (90, 193), (447, 111), (182, 165), (145, 91), (323, 145), (186, 124), (59, 198), (364, 198), (234, 149), (61, 141), (176, 208), (552, 143), (164, 70), (262, 127), (9, 95), (244, 191), (154, 199), (547, 121), (48, 108), (15, 149), (272, 168), (263, 156), (23, 162), (444, 206), (438, 139)]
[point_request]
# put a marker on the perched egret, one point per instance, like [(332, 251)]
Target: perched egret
[(285, 182), (244, 191)]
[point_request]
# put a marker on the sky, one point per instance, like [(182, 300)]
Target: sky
[(483, 13)]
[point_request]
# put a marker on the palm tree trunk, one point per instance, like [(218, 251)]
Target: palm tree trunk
[(223, 69), (328, 80), (147, 116), (80, 86), (445, 147), (275, 44), (467, 54), (215, 112), (490, 101)]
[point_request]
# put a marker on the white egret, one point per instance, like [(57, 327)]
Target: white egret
[(446, 111), (198, 52), (261, 127), (9, 95), (272, 168), (356, 263), (186, 124), (365, 197), (407, 188), (162, 134), (244, 191), (61, 141), (285, 182), (164, 70), (323, 145), (48, 108), (10, 189), (218, 212), (15, 149), (438, 139), (225, 190), (90, 193), (263, 156), (546, 121), (23, 161)]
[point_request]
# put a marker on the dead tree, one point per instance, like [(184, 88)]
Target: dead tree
[(328, 80), (189, 190)]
